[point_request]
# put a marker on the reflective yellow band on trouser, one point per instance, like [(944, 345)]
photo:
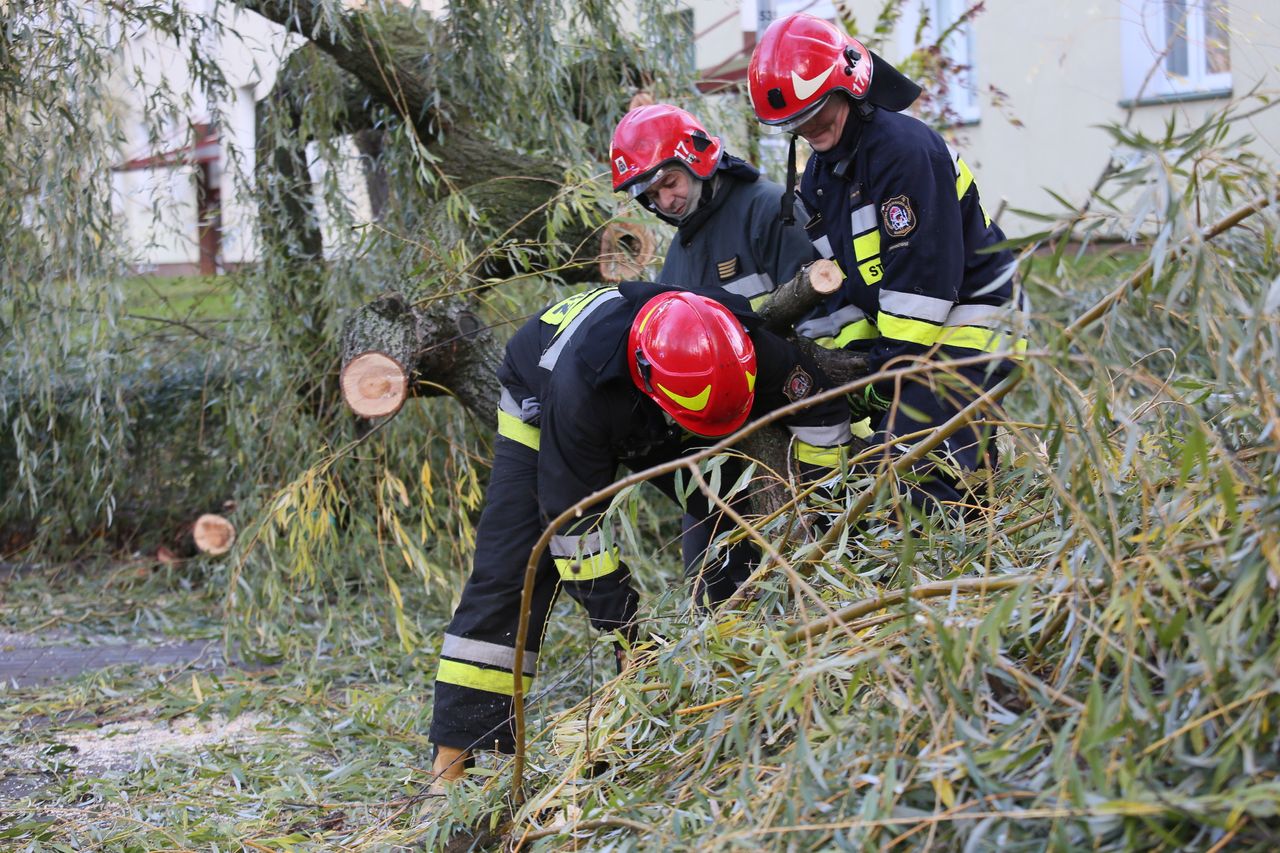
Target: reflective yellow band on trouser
[(860, 330), (588, 567), (479, 678), (826, 457), (862, 428), (509, 426)]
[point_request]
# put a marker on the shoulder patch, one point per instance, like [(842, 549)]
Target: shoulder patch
[(898, 217), (798, 384), (727, 269)]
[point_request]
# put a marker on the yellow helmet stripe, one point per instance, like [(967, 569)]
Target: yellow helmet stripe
[(693, 404), (751, 381), (644, 321)]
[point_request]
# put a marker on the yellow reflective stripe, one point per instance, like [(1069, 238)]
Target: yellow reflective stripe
[(872, 271), (479, 678), (907, 329), (862, 330), (509, 426), (985, 340), (862, 428), (964, 178), (866, 246), (562, 313), (812, 454), (589, 567), (757, 301)]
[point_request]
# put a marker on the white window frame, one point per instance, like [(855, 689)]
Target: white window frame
[(1147, 54), (962, 94)]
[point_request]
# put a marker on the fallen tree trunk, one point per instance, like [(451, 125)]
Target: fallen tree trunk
[(392, 350)]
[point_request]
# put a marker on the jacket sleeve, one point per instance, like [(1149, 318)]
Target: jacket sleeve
[(820, 433), (575, 458), (922, 247)]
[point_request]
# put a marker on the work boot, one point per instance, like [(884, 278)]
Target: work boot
[(448, 766)]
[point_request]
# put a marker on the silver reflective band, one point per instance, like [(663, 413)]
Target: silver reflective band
[(828, 326), (863, 219), (751, 285), (916, 305), (823, 245), (989, 316), (552, 355), (478, 651), (567, 546), (822, 436)]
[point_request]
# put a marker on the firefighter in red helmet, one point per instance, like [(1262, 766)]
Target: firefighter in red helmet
[(634, 375), (899, 210), (728, 229)]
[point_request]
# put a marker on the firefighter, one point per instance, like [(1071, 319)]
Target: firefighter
[(898, 209), (728, 228), (637, 374)]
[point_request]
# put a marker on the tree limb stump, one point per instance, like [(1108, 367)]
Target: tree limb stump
[(791, 301), (392, 350)]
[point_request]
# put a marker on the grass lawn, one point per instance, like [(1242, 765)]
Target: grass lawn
[(183, 298)]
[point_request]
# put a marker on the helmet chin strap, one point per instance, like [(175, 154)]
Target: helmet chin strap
[(789, 195)]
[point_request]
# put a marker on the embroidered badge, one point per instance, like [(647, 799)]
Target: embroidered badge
[(727, 269), (798, 384), (898, 217)]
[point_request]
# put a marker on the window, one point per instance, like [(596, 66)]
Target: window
[(1176, 48), (948, 23)]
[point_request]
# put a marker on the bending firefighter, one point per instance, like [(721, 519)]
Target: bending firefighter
[(729, 228), (898, 209), (634, 375)]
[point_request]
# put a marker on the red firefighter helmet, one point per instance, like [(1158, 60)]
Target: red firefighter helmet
[(693, 358), (651, 137), (801, 60)]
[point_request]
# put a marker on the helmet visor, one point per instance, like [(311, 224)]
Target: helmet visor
[(795, 122), (641, 186)]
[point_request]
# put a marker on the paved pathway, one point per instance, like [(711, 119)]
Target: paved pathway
[(27, 661)]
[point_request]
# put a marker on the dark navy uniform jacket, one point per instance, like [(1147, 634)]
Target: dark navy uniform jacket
[(567, 392), (899, 211), (739, 243)]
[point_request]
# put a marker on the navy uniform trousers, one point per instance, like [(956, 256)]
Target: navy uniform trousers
[(473, 699)]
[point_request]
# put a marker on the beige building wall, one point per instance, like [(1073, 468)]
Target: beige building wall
[(1061, 66)]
